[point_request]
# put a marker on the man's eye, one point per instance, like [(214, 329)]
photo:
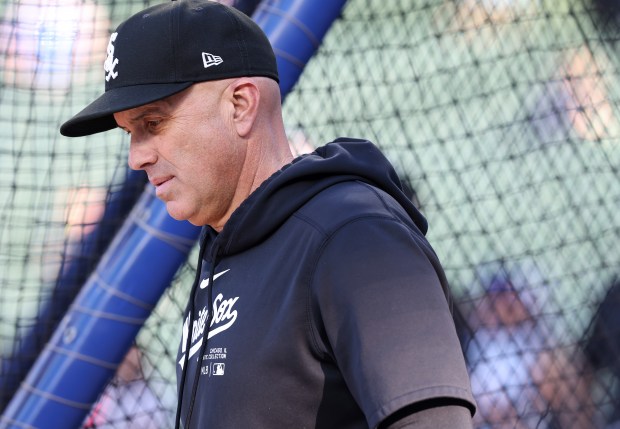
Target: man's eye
[(153, 123)]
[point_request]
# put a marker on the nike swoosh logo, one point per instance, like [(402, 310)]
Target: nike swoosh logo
[(205, 282)]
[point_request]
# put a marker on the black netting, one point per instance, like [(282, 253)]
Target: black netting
[(502, 118)]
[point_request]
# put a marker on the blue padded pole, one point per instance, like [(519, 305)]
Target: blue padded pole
[(102, 323), (296, 29), (76, 267)]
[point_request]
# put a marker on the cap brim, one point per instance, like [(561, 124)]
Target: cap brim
[(98, 115)]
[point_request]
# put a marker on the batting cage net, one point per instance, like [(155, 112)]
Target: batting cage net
[(501, 116)]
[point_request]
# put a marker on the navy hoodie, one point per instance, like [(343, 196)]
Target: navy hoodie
[(320, 304)]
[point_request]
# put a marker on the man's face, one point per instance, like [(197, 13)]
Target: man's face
[(190, 151)]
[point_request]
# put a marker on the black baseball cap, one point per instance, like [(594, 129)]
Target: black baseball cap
[(165, 49)]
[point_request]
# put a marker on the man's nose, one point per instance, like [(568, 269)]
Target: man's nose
[(141, 154)]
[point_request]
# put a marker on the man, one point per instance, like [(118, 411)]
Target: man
[(317, 302)]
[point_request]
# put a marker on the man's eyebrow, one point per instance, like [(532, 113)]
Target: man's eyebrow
[(144, 112)]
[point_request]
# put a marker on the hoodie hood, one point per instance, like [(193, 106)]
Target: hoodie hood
[(296, 183)]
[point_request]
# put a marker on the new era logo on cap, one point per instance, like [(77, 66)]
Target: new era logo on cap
[(209, 60)]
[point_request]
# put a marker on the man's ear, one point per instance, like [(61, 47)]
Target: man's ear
[(245, 99)]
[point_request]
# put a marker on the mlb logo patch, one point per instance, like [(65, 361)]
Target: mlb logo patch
[(218, 369)]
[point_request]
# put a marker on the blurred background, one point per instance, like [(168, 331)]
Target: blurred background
[(501, 116)]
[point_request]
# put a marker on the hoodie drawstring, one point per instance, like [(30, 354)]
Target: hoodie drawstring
[(203, 347), (188, 340)]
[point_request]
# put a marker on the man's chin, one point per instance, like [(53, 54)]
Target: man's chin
[(174, 212), (180, 215)]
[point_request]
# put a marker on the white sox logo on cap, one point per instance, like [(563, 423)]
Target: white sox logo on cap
[(110, 62)]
